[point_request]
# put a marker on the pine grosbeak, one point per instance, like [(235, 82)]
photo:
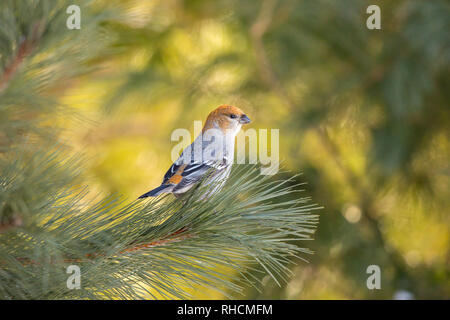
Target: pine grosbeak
[(210, 156)]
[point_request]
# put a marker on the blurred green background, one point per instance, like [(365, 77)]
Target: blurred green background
[(363, 114)]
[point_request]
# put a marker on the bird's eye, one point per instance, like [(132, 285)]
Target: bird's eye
[(233, 116)]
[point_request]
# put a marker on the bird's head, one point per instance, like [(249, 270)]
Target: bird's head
[(226, 118)]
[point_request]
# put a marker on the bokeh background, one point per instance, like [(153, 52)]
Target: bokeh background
[(363, 114)]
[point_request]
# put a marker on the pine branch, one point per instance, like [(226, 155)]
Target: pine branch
[(25, 48), (154, 248), (176, 236), (162, 243), (12, 222)]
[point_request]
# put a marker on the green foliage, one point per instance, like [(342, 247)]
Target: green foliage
[(158, 248), (363, 112), (38, 56)]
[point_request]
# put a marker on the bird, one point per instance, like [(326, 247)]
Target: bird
[(209, 158)]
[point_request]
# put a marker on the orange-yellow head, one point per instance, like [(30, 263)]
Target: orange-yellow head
[(226, 117)]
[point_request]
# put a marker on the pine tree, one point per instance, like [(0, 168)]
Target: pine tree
[(156, 248)]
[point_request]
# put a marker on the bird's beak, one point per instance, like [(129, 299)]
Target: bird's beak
[(244, 119)]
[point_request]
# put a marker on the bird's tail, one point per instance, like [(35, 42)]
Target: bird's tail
[(157, 191)]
